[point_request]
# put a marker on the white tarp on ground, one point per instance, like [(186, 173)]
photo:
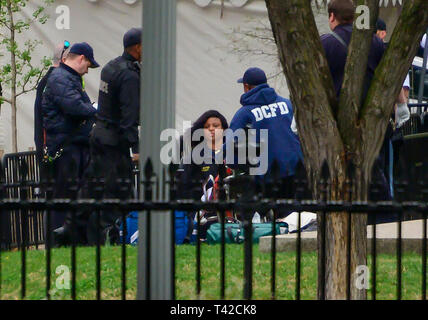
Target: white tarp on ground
[(206, 69)]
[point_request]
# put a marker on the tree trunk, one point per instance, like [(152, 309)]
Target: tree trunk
[(14, 128), (339, 280), (335, 132), (14, 75)]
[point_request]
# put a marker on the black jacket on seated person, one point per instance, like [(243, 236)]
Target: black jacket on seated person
[(67, 109)]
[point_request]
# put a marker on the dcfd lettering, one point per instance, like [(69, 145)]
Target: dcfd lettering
[(270, 111)]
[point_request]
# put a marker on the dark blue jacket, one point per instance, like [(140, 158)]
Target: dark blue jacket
[(67, 110), (336, 55), (262, 108)]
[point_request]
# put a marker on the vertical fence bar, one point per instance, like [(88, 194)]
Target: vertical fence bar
[(248, 255), (144, 224), (323, 255), (222, 198), (46, 177), (222, 255), (73, 255), (348, 258), (276, 194), (2, 197), (424, 198), (424, 257), (123, 249), (97, 187), (127, 187), (173, 264), (1, 231), (35, 213), (374, 267), (73, 184), (98, 255), (298, 256), (325, 174), (148, 233), (48, 253), (198, 254), (172, 169), (247, 214), (273, 257), (350, 172), (23, 218), (399, 252)]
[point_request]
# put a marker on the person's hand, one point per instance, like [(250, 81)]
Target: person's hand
[(135, 157)]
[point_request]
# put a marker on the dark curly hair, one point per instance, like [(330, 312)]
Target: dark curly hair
[(200, 122)]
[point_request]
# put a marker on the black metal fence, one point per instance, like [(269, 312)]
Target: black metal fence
[(19, 200), (17, 229)]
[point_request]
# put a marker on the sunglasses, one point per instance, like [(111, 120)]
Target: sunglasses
[(66, 46)]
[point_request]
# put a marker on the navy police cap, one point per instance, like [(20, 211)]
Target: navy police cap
[(85, 49), (132, 37)]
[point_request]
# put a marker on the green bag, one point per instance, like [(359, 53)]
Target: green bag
[(234, 232)]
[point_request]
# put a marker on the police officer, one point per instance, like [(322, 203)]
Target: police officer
[(68, 117), (116, 128)]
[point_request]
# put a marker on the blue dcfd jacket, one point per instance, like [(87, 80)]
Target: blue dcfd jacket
[(262, 108), (67, 109)]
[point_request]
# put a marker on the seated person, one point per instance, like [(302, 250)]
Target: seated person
[(198, 162)]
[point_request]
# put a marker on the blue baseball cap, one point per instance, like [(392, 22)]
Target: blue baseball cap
[(85, 49), (132, 37), (254, 77)]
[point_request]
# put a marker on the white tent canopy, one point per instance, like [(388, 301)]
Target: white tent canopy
[(207, 70)]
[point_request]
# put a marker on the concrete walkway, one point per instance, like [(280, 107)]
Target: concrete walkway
[(386, 235)]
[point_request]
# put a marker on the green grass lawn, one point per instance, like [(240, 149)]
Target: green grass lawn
[(186, 270)]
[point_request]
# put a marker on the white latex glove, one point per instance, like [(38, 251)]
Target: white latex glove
[(402, 114), (294, 126)]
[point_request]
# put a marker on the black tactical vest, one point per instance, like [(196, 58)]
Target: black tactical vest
[(108, 100), (108, 116)]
